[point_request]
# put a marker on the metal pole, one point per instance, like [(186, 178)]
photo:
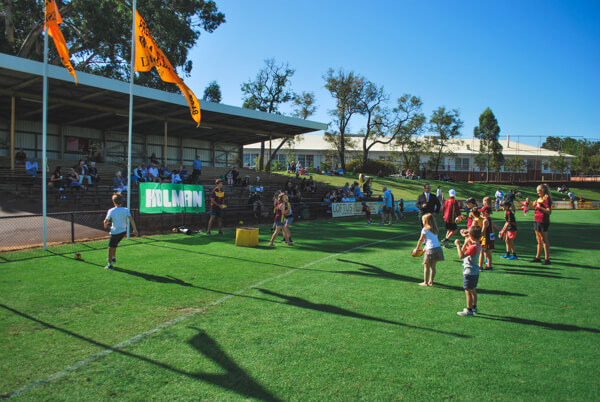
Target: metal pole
[(130, 131), (72, 227), (44, 134), (12, 133), (165, 146)]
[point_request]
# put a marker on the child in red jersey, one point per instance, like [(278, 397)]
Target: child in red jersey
[(487, 239), (509, 232)]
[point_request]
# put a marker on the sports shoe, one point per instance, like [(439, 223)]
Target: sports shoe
[(208, 233), (220, 233), (513, 257), (475, 310), (445, 243), (109, 266), (505, 256), (114, 260), (546, 262), (465, 313), (535, 260)]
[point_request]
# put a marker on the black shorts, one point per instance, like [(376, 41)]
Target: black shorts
[(451, 226), (470, 281), (541, 226), (115, 239)]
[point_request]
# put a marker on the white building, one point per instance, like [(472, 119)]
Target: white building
[(312, 150)]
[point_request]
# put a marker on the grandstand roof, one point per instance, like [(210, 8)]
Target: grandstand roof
[(464, 146), (103, 103)]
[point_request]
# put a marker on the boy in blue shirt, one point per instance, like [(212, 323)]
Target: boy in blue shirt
[(117, 216)]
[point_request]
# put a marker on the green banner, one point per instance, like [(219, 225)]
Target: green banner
[(156, 198)]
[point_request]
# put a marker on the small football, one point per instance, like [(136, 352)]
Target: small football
[(417, 253), (241, 222), (175, 230), (78, 256)]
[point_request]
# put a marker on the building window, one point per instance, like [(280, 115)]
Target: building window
[(461, 164), (305, 160), (249, 159)]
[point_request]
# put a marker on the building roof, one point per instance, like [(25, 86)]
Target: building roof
[(463, 147), (103, 103)]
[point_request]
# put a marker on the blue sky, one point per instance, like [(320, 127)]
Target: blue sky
[(536, 64)]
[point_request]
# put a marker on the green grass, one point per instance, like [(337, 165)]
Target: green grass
[(339, 316), (410, 189)]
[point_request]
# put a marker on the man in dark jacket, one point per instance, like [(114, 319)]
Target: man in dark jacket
[(427, 203)]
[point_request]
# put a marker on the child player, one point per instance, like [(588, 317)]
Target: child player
[(450, 211), (401, 208), (525, 206), (509, 232), (488, 238), (433, 251), (470, 253), (367, 211), (118, 217)]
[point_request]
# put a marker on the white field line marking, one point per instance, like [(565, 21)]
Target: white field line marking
[(137, 338)]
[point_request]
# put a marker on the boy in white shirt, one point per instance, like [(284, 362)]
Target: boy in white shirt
[(117, 216)]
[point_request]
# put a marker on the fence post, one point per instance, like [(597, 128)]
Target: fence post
[(72, 227)]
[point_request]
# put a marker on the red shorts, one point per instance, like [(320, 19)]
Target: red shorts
[(511, 235)]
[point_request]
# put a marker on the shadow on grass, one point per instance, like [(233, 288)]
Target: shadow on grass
[(373, 271), (541, 274), (328, 308), (234, 379), (548, 325)]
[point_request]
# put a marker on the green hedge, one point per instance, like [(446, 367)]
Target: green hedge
[(372, 167)]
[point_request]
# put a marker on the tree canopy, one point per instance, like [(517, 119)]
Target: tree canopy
[(98, 33), (446, 124), (490, 149), (212, 92)]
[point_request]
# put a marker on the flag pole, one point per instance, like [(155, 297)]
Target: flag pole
[(44, 133), (130, 132)]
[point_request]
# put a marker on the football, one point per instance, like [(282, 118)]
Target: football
[(175, 230), (241, 222), (78, 256), (417, 253)]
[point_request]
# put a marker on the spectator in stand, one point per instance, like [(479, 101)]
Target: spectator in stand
[(94, 173), (367, 188), (197, 170), (298, 167), (56, 180), (83, 172), (119, 183), (340, 172), (255, 200), (229, 177), (246, 183), (73, 179), (139, 175), (183, 173), (236, 176), (31, 167), (153, 174), (311, 186), (153, 159), (20, 157), (380, 173), (176, 178)]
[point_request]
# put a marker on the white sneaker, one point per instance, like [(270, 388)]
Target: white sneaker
[(109, 266), (465, 313)]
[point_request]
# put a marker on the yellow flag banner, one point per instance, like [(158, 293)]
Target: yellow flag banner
[(148, 55), (51, 23)]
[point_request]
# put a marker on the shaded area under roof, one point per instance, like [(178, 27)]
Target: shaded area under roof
[(103, 103)]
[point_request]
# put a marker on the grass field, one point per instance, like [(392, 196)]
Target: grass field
[(339, 316)]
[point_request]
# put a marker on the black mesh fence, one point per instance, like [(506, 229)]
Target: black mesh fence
[(70, 232)]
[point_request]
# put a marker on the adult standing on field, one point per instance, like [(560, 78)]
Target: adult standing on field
[(541, 222), (388, 206), (217, 204), (510, 197), (427, 203)]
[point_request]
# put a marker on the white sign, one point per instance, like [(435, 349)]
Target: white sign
[(341, 209)]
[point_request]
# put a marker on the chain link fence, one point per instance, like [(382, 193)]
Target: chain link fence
[(70, 232)]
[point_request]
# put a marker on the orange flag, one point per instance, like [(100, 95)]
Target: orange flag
[(51, 24), (148, 55)]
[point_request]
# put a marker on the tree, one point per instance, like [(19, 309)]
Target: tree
[(447, 125), (558, 164), (490, 149), (304, 107), (405, 123), (552, 143), (515, 164), (267, 92), (98, 33), (212, 92), (371, 104), (346, 90)]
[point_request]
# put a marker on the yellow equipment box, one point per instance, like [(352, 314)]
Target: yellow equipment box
[(246, 237)]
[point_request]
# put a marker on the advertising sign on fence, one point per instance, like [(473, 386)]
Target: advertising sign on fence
[(340, 209), (156, 198)]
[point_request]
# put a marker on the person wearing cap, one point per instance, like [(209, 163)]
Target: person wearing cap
[(217, 204), (427, 203), (450, 211)]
